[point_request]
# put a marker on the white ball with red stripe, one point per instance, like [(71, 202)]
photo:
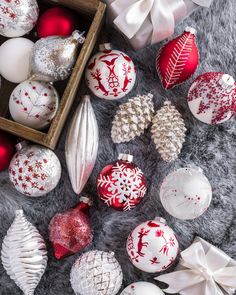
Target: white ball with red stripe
[(141, 288)]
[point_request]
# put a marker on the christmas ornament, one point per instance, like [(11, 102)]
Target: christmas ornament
[(168, 132), (178, 59), (82, 145), (110, 74), (34, 170), (96, 273), (141, 288), (186, 193), (7, 149), (34, 104), (212, 98), (24, 254), (121, 184), (132, 118), (15, 57), (152, 246), (53, 57), (56, 21), (17, 17), (70, 231)]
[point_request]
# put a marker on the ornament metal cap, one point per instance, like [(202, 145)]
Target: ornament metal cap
[(126, 157), (79, 36), (191, 30), (19, 212), (227, 82), (105, 46), (21, 145), (160, 219), (86, 200)]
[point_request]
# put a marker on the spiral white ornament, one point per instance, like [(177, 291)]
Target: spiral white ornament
[(24, 254)]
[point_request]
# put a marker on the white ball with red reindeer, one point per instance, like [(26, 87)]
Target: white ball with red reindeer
[(152, 246), (110, 74)]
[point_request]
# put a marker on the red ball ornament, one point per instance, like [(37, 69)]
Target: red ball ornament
[(178, 59), (121, 184), (7, 149), (70, 232), (56, 21)]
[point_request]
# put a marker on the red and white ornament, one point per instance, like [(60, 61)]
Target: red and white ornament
[(212, 97), (186, 193), (121, 184), (34, 104), (152, 246), (110, 74), (141, 288), (178, 59), (34, 170)]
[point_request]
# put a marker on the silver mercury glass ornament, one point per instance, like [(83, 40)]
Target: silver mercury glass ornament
[(53, 57)]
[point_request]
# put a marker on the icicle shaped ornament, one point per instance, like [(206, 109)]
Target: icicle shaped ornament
[(24, 254)]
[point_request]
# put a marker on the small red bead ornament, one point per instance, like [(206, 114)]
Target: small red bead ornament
[(212, 98), (70, 232), (7, 149), (121, 184), (178, 59)]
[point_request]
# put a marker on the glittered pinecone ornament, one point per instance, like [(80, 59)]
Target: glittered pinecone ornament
[(132, 118), (168, 132), (121, 184), (70, 231), (212, 98), (178, 59), (110, 74), (53, 57), (24, 254), (96, 273)]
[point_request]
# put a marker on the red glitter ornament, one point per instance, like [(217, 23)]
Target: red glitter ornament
[(7, 149), (121, 184), (70, 232), (178, 59), (56, 21)]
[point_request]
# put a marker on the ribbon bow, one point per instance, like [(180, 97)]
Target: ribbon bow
[(202, 273)]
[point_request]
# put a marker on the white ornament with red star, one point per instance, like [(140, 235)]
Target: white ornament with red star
[(110, 74), (212, 98), (141, 288), (186, 193), (152, 246), (34, 104), (34, 170)]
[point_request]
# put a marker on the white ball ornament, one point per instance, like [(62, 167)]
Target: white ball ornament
[(15, 55), (142, 288), (110, 74), (34, 104), (186, 193), (152, 246)]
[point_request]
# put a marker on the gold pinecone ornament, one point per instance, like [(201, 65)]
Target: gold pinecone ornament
[(168, 132), (132, 118)]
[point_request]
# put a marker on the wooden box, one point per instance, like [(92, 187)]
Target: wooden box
[(91, 13)]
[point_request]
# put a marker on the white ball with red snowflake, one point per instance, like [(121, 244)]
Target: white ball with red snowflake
[(17, 17), (34, 170), (110, 74), (186, 193), (152, 246), (212, 98), (141, 288), (34, 104)]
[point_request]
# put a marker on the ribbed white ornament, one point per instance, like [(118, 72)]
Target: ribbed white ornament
[(24, 254), (82, 145)]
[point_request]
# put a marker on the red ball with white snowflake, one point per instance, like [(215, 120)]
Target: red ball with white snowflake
[(152, 246), (178, 59), (121, 184), (110, 74), (212, 97), (34, 170)]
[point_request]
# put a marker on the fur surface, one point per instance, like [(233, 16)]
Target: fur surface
[(213, 148)]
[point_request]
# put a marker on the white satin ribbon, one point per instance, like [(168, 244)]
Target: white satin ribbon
[(202, 273)]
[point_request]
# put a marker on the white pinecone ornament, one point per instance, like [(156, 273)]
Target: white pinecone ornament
[(132, 118), (168, 132)]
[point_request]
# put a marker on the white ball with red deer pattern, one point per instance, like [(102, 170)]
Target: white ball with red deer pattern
[(152, 246), (110, 74), (141, 288)]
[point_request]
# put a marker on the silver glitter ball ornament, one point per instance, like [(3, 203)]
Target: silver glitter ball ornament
[(24, 254), (53, 57), (96, 273), (34, 170)]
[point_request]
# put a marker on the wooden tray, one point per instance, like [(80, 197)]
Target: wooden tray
[(91, 12)]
